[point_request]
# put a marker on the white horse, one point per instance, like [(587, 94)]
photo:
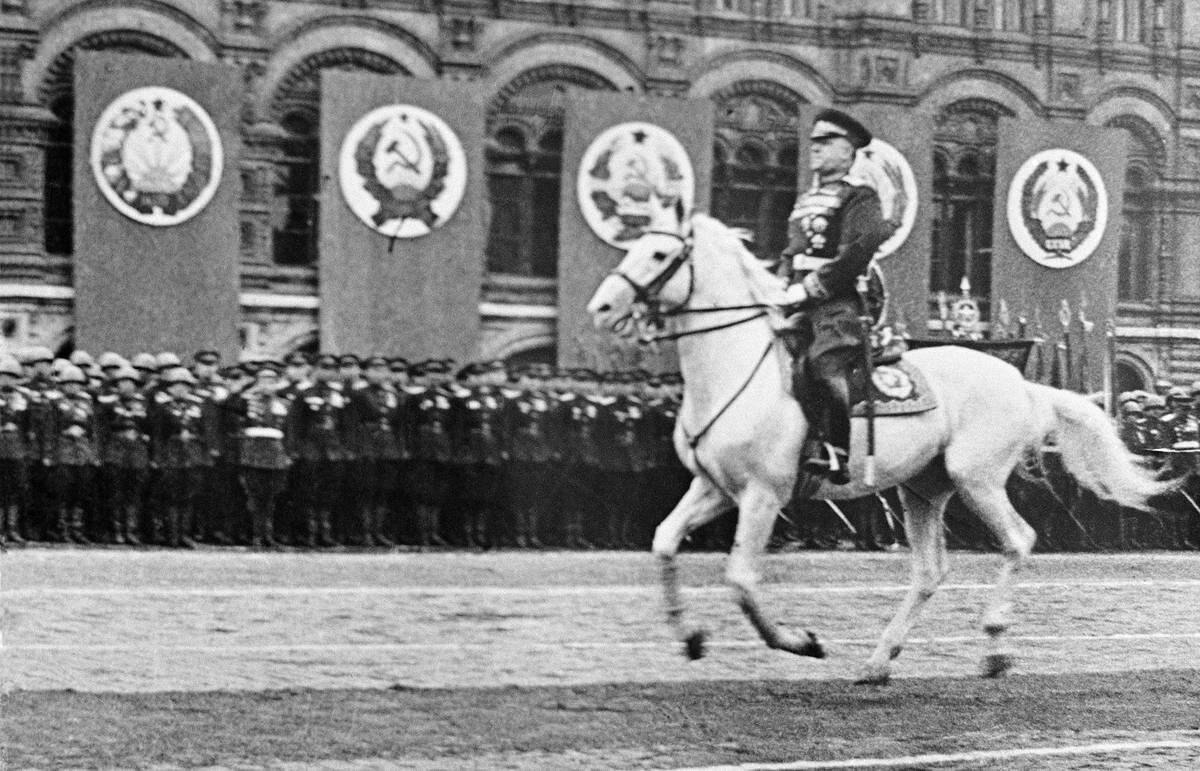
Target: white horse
[(740, 433)]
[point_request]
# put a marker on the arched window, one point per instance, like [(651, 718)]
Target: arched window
[(297, 109), (58, 94), (964, 181), (524, 167), (754, 161), (1138, 248)]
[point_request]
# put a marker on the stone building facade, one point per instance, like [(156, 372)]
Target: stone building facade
[(1131, 64)]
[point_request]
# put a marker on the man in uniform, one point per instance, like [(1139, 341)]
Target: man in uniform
[(125, 453), (178, 451), (834, 231), (218, 477), (377, 409), (75, 453), (260, 415), (528, 414), (317, 431), (430, 415), (41, 388), (478, 453), (15, 436)]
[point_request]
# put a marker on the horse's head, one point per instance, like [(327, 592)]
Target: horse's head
[(649, 274)]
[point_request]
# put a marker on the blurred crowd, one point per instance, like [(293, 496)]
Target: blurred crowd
[(323, 451)]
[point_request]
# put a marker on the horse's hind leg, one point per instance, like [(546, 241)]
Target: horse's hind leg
[(988, 500), (756, 519), (927, 553), (701, 503)]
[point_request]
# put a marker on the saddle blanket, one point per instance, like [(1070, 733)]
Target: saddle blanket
[(898, 388)]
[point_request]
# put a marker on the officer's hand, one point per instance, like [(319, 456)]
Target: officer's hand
[(796, 294)]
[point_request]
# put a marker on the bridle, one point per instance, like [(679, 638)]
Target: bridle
[(651, 316)]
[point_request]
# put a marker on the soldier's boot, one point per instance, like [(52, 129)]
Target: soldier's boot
[(532, 521), (116, 524), (256, 523), (379, 527), (131, 526), (435, 526), (1129, 532), (78, 534), (366, 524), (310, 530), (173, 523), (326, 535), (268, 525), (12, 525), (187, 521)]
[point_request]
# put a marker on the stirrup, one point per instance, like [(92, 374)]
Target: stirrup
[(835, 464)]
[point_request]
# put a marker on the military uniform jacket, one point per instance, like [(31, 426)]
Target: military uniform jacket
[(529, 419), (42, 393), (431, 415), (261, 418), (378, 414), (124, 430), (634, 434), (16, 427), (318, 424), (478, 422), (177, 432), (75, 430), (833, 232), (220, 426), (579, 418), (664, 412)]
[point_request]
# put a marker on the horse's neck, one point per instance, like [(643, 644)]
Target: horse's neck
[(716, 364)]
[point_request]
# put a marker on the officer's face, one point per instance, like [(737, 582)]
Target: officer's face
[(72, 388), (205, 371), (376, 374), (350, 372), (178, 390), (831, 154), (125, 386), (43, 369), (297, 372), (7, 380)]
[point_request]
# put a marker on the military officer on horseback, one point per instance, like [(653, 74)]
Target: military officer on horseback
[(833, 232)]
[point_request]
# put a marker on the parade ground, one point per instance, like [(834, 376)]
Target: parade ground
[(561, 660)]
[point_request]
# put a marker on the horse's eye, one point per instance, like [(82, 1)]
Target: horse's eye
[(659, 256)]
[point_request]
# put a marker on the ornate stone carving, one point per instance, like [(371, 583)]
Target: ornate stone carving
[(1068, 87), (58, 81), (461, 33), (1192, 98), (301, 86), (12, 7), (244, 15), (668, 49)]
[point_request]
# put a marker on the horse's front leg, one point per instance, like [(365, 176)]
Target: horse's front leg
[(702, 503), (756, 520)]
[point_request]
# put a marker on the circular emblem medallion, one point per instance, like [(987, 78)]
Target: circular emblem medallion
[(156, 156), (892, 382), (402, 170), (1057, 208), (625, 173), (886, 169)]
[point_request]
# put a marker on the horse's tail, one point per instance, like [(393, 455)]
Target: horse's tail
[(1092, 450)]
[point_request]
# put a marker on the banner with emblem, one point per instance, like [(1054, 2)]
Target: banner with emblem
[(402, 215), (625, 157), (157, 143), (1056, 235)]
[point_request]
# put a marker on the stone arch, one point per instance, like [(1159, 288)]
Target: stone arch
[(765, 70), (58, 78), (378, 40), (300, 87), (1137, 368), (1142, 112), (547, 74), (983, 86), (145, 24), (1150, 149), (508, 60)]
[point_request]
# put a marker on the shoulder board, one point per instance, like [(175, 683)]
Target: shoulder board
[(161, 397), (510, 394), (413, 390), (107, 398)]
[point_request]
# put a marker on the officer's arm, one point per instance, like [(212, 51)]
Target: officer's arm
[(863, 230)]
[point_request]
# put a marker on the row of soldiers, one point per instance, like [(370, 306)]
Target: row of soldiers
[(1157, 422), (331, 450)]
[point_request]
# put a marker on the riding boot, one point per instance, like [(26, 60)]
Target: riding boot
[(12, 526), (435, 526), (365, 518), (532, 521), (326, 536), (379, 528), (268, 524), (131, 526), (173, 523), (187, 521), (78, 535), (256, 523)]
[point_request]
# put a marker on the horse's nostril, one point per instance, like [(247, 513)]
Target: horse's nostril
[(605, 308)]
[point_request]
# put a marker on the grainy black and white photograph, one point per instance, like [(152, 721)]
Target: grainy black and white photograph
[(559, 385)]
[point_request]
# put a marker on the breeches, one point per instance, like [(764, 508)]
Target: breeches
[(178, 486), (321, 483), (74, 486), (262, 484), (14, 483), (124, 486)]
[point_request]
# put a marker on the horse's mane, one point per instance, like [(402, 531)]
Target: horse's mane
[(765, 286)]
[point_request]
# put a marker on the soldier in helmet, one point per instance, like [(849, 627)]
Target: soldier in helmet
[(124, 418), (833, 233), (15, 434), (317, 427), (478, 453), (261, 416), (75, 454), (41, 388), (178, 452)]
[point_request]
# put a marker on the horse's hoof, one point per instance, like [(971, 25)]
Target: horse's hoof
[(813, 647), (693, 646), (874, 675), (997, 664)]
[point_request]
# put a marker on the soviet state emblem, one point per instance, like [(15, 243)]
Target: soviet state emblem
[(1057, 208), (892, 382), (627, 172), (156, 156), (885, 168), (402, 170)]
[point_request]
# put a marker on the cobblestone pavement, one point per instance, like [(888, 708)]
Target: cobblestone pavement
[(151, 621)]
